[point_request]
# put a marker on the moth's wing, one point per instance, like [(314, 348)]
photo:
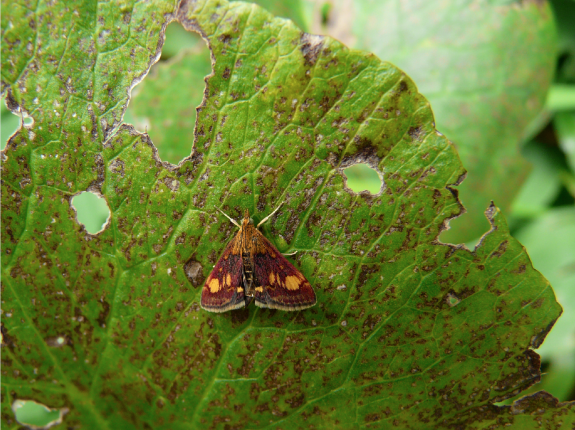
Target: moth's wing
[(279, 285), (223, 290)]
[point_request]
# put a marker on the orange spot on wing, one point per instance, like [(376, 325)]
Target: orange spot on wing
[(214, 285), (228, 280), (272, 278), (293, 282)]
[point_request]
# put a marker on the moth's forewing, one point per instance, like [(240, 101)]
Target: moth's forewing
[(223, 291), (278, 284)]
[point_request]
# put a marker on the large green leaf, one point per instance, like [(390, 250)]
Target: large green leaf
[(408, 332)]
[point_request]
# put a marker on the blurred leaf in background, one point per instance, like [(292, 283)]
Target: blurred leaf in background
[(543, 183)]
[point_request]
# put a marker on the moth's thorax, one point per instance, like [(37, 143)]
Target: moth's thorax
[(249, 239)]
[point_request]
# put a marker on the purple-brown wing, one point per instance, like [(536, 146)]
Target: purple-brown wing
[(223, 290), (279, 285)]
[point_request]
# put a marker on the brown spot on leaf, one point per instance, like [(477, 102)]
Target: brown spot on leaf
[(57, 341), (538, 339), (195, 272), (103, 313), (310, 45)]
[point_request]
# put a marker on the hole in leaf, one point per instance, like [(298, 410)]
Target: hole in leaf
[(91, 211), (36, 415), (164, 103), (361, 177), (10, 123), (179, 39), (457, 229), (452, 299)]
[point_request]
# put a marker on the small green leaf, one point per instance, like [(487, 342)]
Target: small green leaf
[(408, 332)]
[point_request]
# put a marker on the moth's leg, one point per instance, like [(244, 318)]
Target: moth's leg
[(231, 219), (291, 253), (268, 217)]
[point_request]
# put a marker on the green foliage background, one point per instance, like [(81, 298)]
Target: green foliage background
[(136, 248)]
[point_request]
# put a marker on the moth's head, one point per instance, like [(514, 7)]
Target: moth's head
[(247, 219)]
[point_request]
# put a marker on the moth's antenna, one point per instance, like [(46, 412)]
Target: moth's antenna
[(231, 219), (268, 217)]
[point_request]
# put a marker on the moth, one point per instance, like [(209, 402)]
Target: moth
[(251, 268)]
